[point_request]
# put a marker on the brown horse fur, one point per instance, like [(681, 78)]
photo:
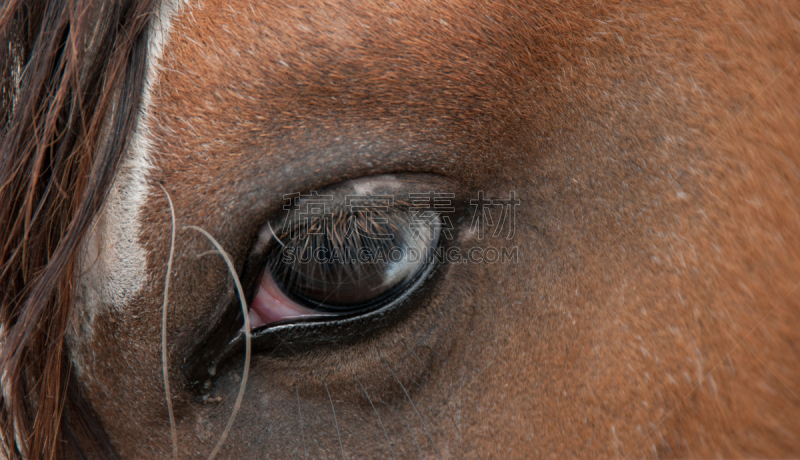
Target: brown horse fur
[(655, 307)]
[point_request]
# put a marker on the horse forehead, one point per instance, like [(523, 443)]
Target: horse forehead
[(238, 78), (275, 37), (235, 68)]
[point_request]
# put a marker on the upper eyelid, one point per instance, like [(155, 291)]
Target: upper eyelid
[(404, 184)]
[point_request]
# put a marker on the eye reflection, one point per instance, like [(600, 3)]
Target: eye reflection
[(353, 259), (347, 258)]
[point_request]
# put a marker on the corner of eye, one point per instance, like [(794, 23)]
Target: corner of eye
[(265, 237), (468, 235)]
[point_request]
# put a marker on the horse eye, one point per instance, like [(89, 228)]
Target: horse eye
[(356, 258)]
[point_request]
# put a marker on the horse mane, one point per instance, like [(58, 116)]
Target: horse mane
[(71, 80)]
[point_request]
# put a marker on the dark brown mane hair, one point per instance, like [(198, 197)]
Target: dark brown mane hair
[(71, 78)]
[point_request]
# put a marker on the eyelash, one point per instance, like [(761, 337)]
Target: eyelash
[(346, 263)]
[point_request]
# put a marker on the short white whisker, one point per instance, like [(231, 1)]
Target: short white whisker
[(413, 406), (385, 434), (300, 415)]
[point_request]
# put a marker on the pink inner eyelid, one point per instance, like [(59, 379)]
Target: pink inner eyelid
[(270, 305)]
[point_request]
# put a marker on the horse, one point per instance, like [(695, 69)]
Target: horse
[(607, 195)]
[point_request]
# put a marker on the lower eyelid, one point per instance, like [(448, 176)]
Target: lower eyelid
[(270, 305)]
